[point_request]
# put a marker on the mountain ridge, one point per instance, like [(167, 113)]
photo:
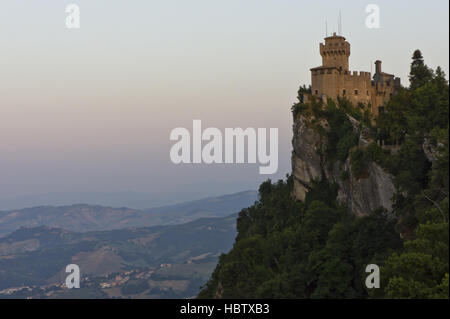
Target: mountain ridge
[(85, 217)]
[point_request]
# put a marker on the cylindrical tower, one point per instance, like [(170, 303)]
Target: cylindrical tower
[(335, 52)]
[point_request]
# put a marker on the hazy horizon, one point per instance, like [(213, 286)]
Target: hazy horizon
[(132, 200), (91, 110)]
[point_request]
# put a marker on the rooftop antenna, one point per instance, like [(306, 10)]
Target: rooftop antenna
[(340, 23)]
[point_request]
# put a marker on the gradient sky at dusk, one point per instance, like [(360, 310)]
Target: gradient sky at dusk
[(92, 109)]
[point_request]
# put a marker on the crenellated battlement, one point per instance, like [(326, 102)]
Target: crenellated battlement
[(349, 74), (358, 74)]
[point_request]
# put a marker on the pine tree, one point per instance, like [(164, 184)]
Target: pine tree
[(420, 74)]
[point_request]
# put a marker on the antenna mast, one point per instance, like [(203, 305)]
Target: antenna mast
[(340, 23)]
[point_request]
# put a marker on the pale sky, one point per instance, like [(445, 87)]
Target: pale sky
[(92, 109)]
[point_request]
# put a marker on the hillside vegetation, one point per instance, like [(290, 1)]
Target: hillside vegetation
[(33, 258)]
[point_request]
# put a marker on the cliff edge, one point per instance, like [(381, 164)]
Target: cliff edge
[(312, 161)]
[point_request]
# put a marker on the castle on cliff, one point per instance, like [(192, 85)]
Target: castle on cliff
[(334, 79)]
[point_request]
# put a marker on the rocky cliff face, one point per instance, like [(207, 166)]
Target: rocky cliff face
[(307, 159), (362, 195)]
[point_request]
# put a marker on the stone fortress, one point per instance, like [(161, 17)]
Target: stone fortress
[(334, 79)]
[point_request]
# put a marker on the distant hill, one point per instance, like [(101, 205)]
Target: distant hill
[(38, 256), (83, 217), (130, 199), (208, 207)]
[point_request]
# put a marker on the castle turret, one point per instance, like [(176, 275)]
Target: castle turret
[(335, 52)]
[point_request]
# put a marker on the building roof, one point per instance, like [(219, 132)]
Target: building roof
[(323, 68), (335, 36)]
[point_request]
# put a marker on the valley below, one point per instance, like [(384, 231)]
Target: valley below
[(170, 260)]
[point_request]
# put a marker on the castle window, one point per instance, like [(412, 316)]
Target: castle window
[(367, 92), (380, 110), (356, 92), (344, 92), (317, 92), (388, 83)]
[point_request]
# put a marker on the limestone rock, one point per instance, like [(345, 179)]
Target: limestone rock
[(306, 158), (429, 150), (362, 196)]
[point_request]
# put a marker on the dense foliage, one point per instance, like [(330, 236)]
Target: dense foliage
[(288, 249), (418, 118), (316, 249)]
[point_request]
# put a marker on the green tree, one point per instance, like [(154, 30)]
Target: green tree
[(420, 74)]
